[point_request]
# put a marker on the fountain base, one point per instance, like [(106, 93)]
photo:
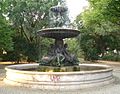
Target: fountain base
[(17, 76)]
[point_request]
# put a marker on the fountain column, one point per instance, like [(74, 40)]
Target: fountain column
[(58, 55)]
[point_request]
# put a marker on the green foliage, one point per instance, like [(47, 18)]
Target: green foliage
[(97, 18), (26, 18), (5, 35), (89, 47), (100, 28), (111, 56), (73, 47)]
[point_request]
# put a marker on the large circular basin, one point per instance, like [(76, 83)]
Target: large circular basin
[(18, 76), (58, 33)]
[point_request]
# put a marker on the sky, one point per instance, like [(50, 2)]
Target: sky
[(75, 7)]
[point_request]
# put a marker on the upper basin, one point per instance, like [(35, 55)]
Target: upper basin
[(58, 33)]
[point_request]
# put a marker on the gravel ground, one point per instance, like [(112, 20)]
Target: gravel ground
[(113, 88)]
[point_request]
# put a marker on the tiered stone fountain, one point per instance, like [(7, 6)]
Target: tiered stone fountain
[(59, 70)]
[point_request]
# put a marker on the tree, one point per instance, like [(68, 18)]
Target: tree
[(26, 18), (6, 43), (100, 28)]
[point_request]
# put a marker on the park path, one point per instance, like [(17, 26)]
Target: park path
[(113, 88)]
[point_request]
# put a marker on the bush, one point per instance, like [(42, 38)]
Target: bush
[(111, 57), (88, 45)]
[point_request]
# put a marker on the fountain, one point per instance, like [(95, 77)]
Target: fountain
[(59, 70)]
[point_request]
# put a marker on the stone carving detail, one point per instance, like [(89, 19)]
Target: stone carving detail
[(59, 56)]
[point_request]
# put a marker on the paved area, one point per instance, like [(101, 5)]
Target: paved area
[(113, 88)]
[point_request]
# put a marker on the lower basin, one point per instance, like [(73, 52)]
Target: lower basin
[(89, 75)]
